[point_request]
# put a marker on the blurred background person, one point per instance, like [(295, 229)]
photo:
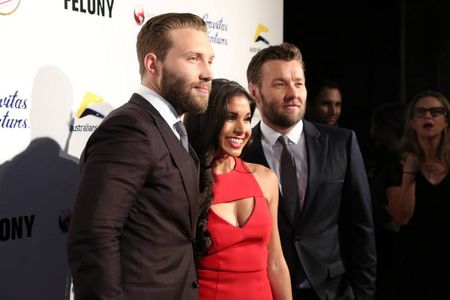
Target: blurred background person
[(387, 124), (326, 102), (421, 203)]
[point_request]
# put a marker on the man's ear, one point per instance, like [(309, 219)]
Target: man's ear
[(150, 63), (253, 89)]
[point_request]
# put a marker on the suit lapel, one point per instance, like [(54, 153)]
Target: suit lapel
[(316, 150), (254, 151), (180, 156), (195, 158)]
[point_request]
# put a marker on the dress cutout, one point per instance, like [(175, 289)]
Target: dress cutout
[(235, 267)]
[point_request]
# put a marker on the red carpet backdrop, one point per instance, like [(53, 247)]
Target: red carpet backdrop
[(64, 65)]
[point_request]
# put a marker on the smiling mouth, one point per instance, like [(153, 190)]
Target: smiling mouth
[(236, 142), (428, 125)]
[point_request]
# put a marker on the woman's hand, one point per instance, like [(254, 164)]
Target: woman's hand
[(411, 164)]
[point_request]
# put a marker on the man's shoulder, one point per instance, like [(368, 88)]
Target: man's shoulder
[(136, 106), (256, 128), (253, 150), (131, 114), (327, 129)]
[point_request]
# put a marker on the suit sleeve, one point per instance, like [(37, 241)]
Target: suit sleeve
[(357, 218), (116, 165)]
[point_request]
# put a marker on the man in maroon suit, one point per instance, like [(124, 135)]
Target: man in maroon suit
[(133, 225)]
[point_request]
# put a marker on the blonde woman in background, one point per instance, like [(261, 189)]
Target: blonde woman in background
[(421, 202)]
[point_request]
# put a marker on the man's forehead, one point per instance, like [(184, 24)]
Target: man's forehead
[(282, 68), (190, 39)]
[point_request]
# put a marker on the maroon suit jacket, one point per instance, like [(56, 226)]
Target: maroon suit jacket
[(134, 219)]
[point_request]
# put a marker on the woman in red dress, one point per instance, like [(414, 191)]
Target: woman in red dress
[(238, 244)]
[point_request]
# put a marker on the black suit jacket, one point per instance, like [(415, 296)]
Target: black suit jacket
[(135, 215), (333, 234)]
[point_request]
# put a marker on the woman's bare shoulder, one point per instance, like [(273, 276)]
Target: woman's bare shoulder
[(261, 171)]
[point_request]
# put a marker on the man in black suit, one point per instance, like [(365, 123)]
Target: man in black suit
[(133, 226), (326, 225)]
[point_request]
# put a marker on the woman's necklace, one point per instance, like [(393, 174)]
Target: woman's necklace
[(434, 172)]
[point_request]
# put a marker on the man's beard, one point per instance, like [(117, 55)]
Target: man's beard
[(178, 92), (279, 118)]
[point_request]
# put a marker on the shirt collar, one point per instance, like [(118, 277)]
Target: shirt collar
[(165, 109), (272, 135)]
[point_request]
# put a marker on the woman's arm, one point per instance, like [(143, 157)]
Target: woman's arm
[(277, 268), (402, 200)]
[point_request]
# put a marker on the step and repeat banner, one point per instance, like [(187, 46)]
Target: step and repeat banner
[(64, 65)]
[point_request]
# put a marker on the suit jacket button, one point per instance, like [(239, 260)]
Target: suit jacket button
[(195, 284)]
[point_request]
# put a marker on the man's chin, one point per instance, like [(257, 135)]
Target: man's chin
[(200, 104), (331, 122)]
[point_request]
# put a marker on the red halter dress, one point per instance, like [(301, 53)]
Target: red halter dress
[(235, 267)]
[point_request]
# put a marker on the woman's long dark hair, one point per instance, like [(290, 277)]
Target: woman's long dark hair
[(203, 130)]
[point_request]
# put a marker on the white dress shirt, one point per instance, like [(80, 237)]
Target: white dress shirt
[(165, 109), (272, 151)]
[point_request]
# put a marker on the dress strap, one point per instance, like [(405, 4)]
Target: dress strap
[(238, 184)]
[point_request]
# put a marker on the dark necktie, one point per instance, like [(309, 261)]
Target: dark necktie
[(289, 184), (179, 127), (288, 178)]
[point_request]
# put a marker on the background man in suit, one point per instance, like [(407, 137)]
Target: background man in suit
[(325, 223), (135, 215)]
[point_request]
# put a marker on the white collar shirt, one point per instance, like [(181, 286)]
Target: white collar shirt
[(165, 109), (272, 151)]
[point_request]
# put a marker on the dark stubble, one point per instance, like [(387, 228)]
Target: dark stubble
[(178, 91), (278, 117)]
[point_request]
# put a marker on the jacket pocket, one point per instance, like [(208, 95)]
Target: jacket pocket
[(336, 269)]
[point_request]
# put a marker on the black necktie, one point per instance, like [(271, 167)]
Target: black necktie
[(289, 184), (288, 178), (179, 127)]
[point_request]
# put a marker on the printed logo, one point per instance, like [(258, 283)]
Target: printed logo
[(12, 107), (87, 118), (8, 7), (91, 105), (139, 15), (217, 30), (101, 8), (258, 38), (16, 228)]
